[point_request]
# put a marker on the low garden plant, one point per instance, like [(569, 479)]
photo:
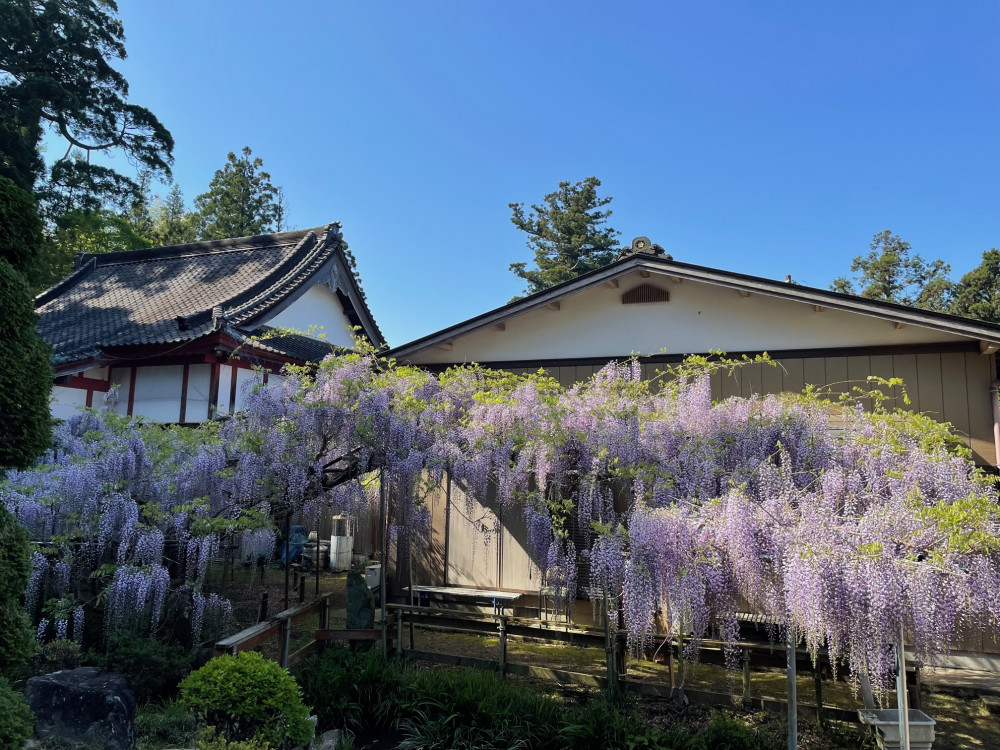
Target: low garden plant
[(247, 697)]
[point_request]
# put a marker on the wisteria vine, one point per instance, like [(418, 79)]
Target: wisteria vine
[(839, 524)]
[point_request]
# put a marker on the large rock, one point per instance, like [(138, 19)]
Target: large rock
[(84, 705), (360, 602)]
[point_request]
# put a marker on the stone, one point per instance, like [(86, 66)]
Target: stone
[(360, 602), (86, 706), (328, 740)]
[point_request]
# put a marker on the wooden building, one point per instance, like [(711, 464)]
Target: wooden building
[(179, 329), (647, 303)]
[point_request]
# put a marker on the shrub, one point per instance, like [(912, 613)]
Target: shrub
[(17, 724), (26, 376), (154, 668), (249, 698), (17, 638), (57, 655), (354, 688), (209, 740), (169, 724)]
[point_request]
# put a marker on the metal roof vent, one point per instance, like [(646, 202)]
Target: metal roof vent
[(644, 294)]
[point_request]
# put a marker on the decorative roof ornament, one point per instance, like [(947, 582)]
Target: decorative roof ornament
[(642, 245)]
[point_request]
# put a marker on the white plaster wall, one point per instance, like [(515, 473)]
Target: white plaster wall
[(317, 307), (698, 318), (122, 377), (225, 386), (158, 393), (244, 380), (199, 383), (65, 402)]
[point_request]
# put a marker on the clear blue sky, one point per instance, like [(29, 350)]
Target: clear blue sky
[(766, 138)]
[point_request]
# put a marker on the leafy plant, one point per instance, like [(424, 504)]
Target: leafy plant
[(169, 724), (210, 740), (249, 698), (16, 721), (154, 669)]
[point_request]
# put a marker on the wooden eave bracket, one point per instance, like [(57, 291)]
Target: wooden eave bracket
[(899, 325), (818, 308), (611, 283), (676, 279), (499, 326), (644, 273), (744, 293), (446, 345), (989, 347), (554, 306)]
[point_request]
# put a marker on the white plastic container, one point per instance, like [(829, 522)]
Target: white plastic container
[(341, 552), (886, 723), (372, 575)]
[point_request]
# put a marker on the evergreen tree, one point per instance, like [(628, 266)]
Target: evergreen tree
[(890, 273), (56, 73), (173, 223), (240, 202), (567, 233), (977, 294)]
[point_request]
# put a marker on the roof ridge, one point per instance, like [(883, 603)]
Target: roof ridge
[(205, 247)]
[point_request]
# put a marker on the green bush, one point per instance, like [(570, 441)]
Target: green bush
[(17, 723), (354, 688), (17, 637), (165, 725), (210, 740), (26, 376), (20, 227), (154, 669), (249, 698), (57, 655)]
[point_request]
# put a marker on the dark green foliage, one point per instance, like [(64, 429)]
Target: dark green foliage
[(211, 740), (977, 294), (56, 60), (16, 721), (721, 733), (26, 375), (154, 669), (165, 725), (240, 202), (891, 274), (57, 655), (461, 708), (17, 638), (567, 233), (20, 227), (247, 697), (353, 688)]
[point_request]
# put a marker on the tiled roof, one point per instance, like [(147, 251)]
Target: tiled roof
[(167, 295)]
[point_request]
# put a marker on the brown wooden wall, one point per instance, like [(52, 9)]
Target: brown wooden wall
[(950, 387)]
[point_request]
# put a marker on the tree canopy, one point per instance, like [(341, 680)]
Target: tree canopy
[(892, 274), (56, 60), (568, 234), (977, 294), (241, 201)]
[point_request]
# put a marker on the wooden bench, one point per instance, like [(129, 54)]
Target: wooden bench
[(499, 599)]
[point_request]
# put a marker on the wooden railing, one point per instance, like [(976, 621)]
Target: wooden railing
[(280, 626)]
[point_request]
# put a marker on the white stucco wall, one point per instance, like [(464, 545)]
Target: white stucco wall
[(318, 308), (158, 393), (698, 318), (65, 402)]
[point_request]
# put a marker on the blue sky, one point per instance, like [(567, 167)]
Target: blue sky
[(767, 138)]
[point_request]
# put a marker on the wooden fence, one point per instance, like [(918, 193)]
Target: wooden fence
[(280, 626)]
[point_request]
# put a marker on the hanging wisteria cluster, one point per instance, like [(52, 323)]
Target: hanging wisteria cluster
[(839, 525)]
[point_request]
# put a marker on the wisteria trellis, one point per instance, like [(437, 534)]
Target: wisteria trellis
[(700, 510)]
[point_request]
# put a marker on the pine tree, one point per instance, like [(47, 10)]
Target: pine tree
[(567, 233), (240, 202)]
